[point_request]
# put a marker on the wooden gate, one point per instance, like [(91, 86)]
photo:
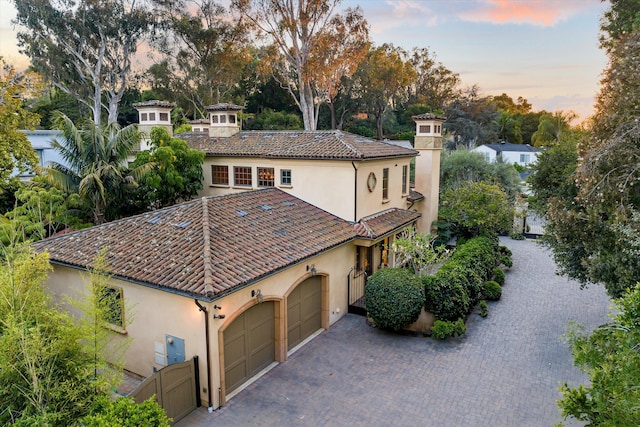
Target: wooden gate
[(175, 387), (357, 280)]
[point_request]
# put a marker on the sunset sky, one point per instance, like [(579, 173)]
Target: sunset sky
[(543, 50)]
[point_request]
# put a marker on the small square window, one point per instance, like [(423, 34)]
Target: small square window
[(214, 119), (223, 118), (232, 118), (425, 128), (220, 175), (152, 116), (242, 176), (266, 177), (285, 177), (164, 117), (143, 117)]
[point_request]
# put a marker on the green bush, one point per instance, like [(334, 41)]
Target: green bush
[(446, 299), (492, 290), (516, 236), (394, 298), (503, 250), (498, 276), (442, 329), (471, 281), (506, 261), (124, 412), (484, 308), (480, 254)]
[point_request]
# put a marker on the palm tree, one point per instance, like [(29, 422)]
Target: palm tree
[(552, 127), (97, 162)]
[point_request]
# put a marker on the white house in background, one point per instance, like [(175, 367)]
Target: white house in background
[(41, 142), (521, 154)]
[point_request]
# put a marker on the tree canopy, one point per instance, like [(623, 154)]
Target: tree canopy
[(15, 148)]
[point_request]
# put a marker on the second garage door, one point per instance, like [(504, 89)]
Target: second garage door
[(304, 311), (249, 345)]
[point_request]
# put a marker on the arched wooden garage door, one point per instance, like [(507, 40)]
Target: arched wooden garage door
[(304, 311), (249, 345)]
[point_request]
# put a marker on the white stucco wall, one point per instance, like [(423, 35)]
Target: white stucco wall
[(329, 185), (152, 314)]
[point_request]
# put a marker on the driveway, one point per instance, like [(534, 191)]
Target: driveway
[(504, 372)]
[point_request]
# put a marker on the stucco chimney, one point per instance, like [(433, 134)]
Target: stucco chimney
[(153, 114), (223, 120), (428, 142)]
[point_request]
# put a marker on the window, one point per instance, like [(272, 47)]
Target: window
[(437, 129), (232, 118), (266, 177), (214, 119), (425, 128), (152, 116), (164, 117), (525, 158), (242, 176), (285, 177), (219, 175), (111, 305), (223, 118), (405, 170), (487, 157), (143, 117), (385, 183)]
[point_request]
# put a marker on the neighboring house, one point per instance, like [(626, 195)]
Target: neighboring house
[(290, 225), (41, 142), (521, 154)]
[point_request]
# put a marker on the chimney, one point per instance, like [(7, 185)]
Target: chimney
[(153, 114), (223, 120), (428, 142)]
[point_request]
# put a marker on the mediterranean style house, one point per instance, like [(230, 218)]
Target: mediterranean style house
[(276, 249)]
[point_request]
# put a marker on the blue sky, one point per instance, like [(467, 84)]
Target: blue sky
[(543, 50)]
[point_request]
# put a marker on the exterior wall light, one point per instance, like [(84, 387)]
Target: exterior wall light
[(258, 294), (312, 269)]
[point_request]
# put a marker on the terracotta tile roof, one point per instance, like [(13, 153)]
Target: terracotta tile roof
[(428, 116), (381, 223), (154, 103), (223, 107), (414, 196), (229, 241), (328, 145)]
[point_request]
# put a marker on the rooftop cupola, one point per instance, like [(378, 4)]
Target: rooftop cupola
[(153, 114), (223, 119), (428, 142)]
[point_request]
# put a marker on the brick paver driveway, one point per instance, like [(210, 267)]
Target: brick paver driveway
[(504, 372)]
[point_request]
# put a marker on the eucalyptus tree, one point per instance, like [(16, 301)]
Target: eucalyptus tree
[(97, 158), (205, 50), (84, 47), (309, 42)]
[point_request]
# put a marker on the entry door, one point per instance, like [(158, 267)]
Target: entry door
[(249, 344), (304, 311)]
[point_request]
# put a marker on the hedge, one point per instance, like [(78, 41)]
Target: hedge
[(394, 298)]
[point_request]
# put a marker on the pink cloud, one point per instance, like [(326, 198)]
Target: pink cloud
[(536, 12)]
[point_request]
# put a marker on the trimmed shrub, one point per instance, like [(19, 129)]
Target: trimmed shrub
[(466, 277), (479, 254), (498, 276), (446, 299), (442, 329), (484, 309), (506, 261), (394, 298), (124, 412), (505, 251), (492, 290)]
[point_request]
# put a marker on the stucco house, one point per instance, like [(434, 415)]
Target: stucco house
[(521, 154), (277, 248), (41, 143)]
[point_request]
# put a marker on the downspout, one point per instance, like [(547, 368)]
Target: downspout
[(208, 288), (206, 331), (355, 192)]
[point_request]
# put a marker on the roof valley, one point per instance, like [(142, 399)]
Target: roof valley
[(206, 253)]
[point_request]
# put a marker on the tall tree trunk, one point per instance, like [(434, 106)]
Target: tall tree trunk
[(332, 109)]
